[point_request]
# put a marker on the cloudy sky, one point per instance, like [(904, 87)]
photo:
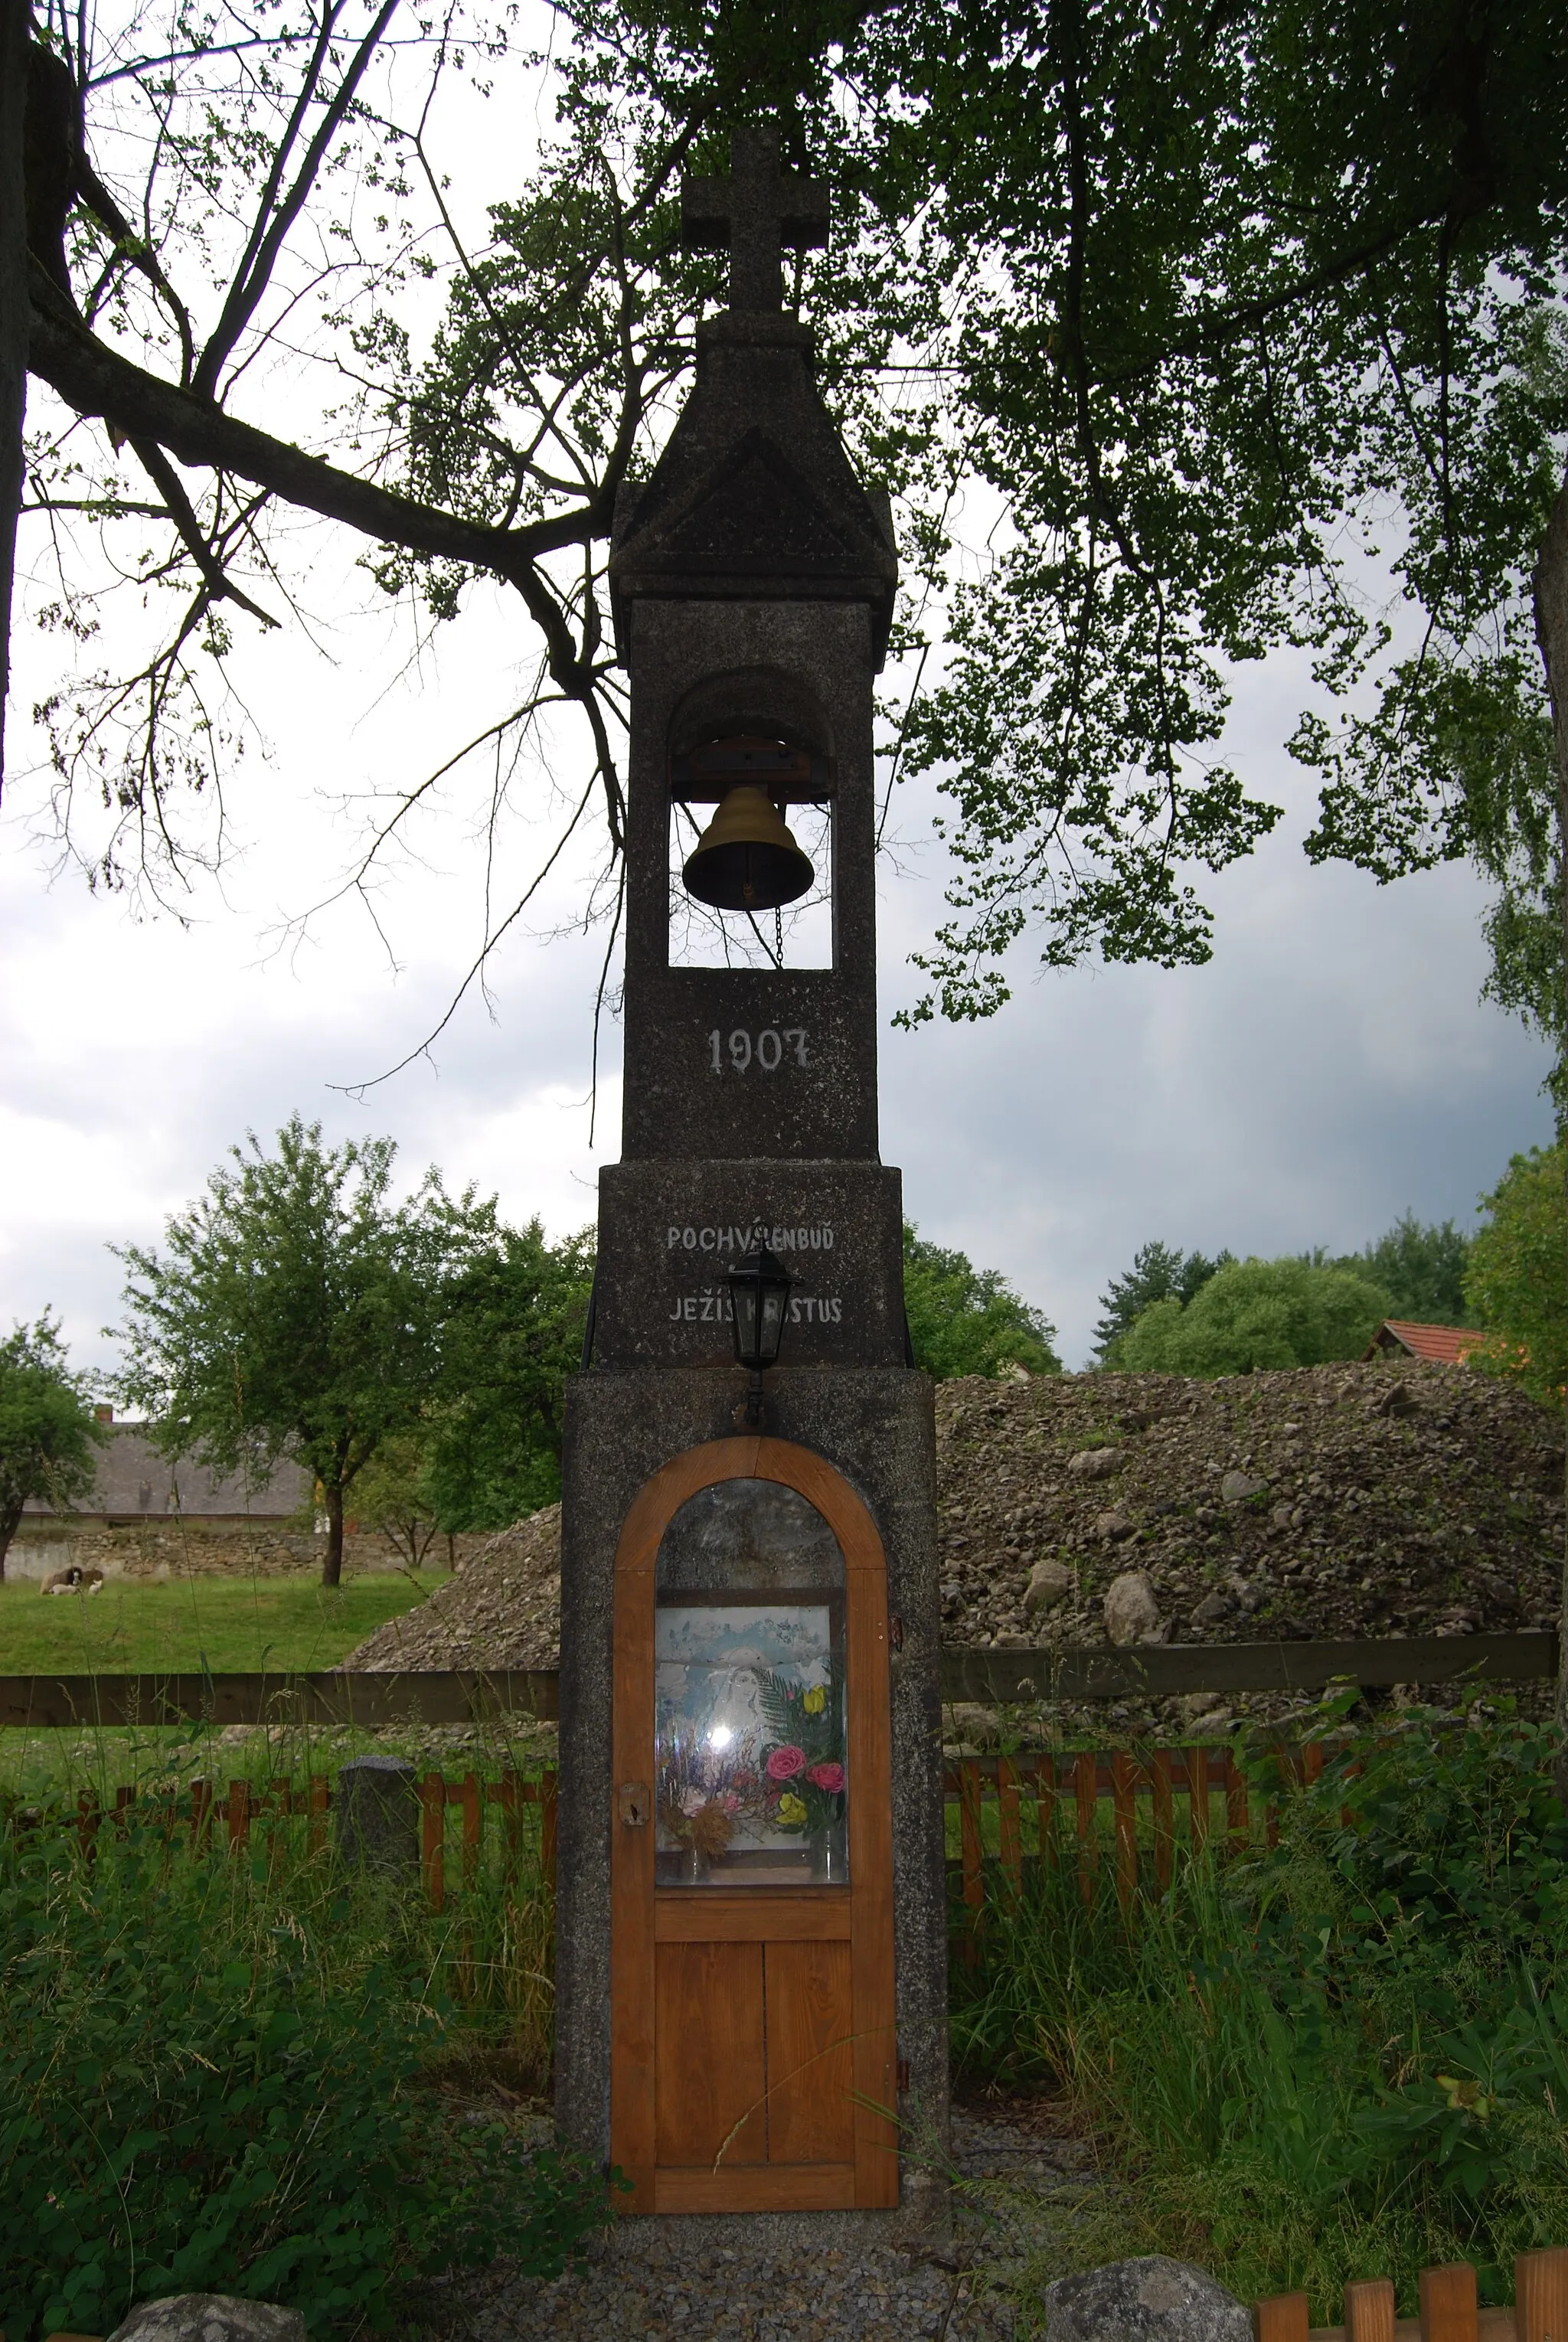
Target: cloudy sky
[(1332, 1067)]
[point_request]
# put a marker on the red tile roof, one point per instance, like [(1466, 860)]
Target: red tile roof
[(1444, 1345)]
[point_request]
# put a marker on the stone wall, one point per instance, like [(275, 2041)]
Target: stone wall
[(163, 1549)]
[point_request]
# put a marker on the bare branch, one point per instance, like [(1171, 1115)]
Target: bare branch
[(96, 380), (182, 511), (260, 256)]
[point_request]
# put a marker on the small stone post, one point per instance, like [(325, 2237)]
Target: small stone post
[(377, 1817)]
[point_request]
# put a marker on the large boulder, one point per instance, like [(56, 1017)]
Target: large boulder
[(1131, 1611), (1095, 1463), (209, 2317), (1151, 2299), (1049, 1583)]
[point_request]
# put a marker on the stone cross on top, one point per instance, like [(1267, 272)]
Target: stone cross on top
[(753, 213)]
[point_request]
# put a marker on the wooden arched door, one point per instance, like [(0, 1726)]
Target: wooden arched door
[(754, 2059)]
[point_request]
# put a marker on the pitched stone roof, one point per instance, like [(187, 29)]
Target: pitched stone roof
[(134, 1481)]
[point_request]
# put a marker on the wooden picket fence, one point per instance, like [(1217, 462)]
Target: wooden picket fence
[(1064, 1791), (204, 1813), (1448, 2311)]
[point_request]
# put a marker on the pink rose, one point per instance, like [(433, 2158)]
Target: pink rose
[(827, 1777), (727, 1802), (785, 1762)]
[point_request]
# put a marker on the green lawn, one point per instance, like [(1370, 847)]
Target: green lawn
[(234, 1625)]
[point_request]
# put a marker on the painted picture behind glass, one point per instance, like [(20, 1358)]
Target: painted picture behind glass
[(750, 1750)]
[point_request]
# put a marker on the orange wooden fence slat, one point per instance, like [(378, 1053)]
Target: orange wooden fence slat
[(1541, 2296), (1198, 1797), (1313, 1757), (1238, 1821), (1448, 2310), (970, 1843), (472, 1828), (1045, 1807), (1164, 1820), (1282, 2319), (201, 1815), (432, 1839), (1086, 1782), (548, 1830), (1369, 2310), (1124, 1806), (319, 1798), (239, 1812), (510, 1827), (1010, 1834), (124, 1798), (88, 1817)]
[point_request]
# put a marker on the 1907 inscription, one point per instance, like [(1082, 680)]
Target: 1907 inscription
[(739, 1051)]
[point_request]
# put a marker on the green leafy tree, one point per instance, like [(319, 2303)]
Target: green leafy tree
[(964, 1320), (1421, 1269), (48, 1432), (1257, 1314), (295, 1310), (1517, 1280), (1159, 1273), (518, 1306)]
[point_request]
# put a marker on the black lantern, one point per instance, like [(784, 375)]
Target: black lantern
[(759, 1304)]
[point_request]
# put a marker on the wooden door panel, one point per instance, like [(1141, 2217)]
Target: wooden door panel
[(810, 2062), (696, 2039), (710, 2086)]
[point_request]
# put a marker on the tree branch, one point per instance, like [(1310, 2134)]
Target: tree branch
[(96, 380), (183, 513), (254, 272)]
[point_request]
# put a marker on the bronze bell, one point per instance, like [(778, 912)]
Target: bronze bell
[(746, 859)]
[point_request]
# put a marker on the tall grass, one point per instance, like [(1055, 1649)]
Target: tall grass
[(1346, 2055), (233, 2070)]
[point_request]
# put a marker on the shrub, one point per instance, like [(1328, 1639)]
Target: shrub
[(208, 2085), (1256, 1314), (1343, 2056)]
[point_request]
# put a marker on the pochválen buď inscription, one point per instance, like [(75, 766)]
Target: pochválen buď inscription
[(752, 1953)]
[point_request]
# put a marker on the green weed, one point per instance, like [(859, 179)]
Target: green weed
[(218, 2071), (1345, 2056)]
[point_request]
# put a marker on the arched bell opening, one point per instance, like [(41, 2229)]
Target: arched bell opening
[(752, 785)]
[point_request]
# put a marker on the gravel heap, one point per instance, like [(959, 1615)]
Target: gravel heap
[(1325, 1502), (1322, 1503), (501, 1610)]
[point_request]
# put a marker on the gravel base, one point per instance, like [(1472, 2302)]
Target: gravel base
[(1014, 2171)]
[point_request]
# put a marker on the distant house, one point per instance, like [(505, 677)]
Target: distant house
[(134, 1483), (1439, 1346)]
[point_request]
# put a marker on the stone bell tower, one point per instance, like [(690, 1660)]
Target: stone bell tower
[(751, 1944)]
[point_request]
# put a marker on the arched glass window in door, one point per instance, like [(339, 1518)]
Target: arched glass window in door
[(750, 1745)]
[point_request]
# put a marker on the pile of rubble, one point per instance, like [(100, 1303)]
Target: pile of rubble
[(503, 1610), (1329, 1502)]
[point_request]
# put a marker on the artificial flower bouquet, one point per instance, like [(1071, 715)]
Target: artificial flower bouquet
[(802, 1761)]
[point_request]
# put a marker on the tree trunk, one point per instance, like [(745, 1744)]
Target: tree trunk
[(1551, 589), (332, 1567), (14, 328)]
